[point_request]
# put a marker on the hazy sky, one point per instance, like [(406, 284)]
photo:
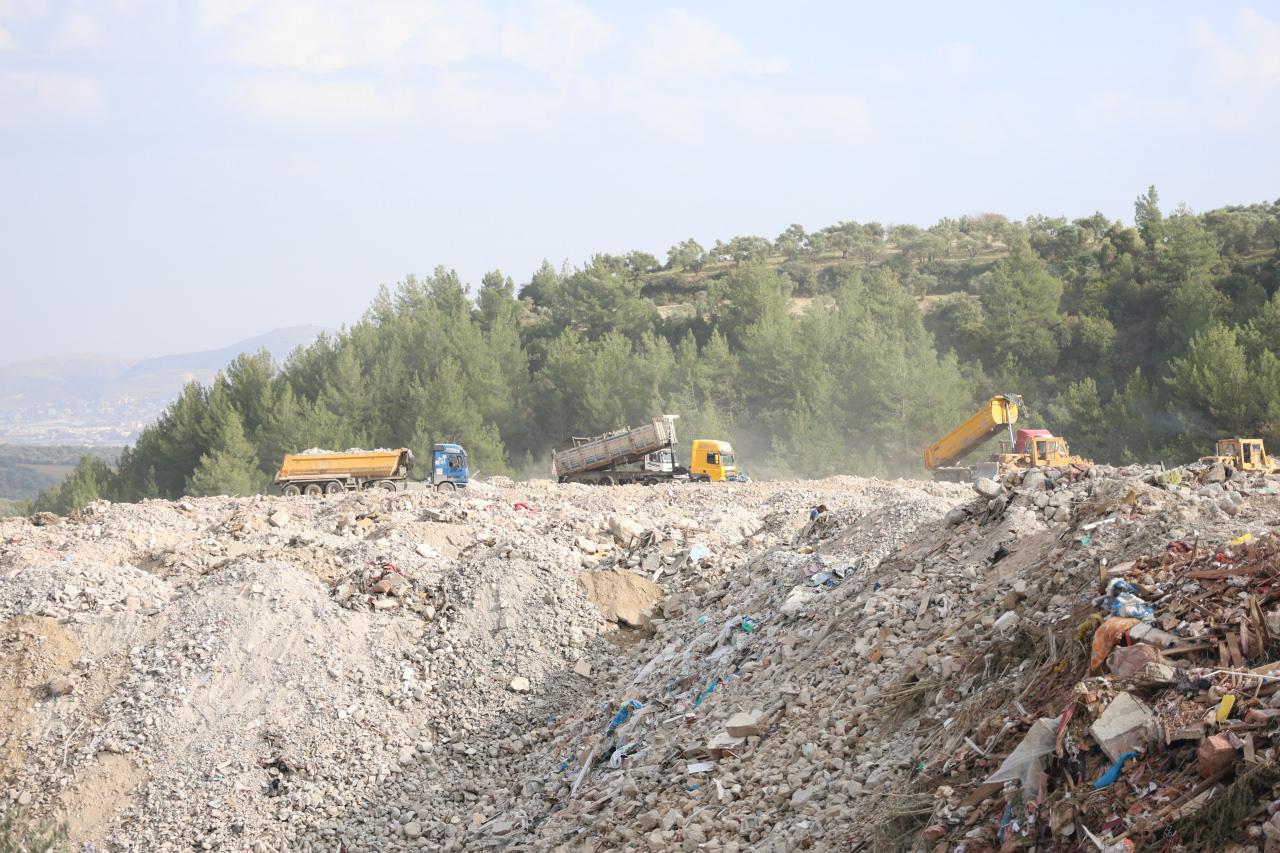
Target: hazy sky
[(178, 176)]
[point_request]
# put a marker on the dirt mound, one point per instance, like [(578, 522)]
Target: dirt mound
[(622, 597)]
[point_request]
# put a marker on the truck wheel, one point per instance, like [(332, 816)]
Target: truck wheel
[(313, 490), (387, 485), (333, 488), (446, 487), (291, 490), (649, 481), (607, 480)]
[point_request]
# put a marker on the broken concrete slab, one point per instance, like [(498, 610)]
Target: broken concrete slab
[(1126, 725), (745, 724)]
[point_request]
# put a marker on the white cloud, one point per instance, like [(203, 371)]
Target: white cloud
[(560, 33), (479, 105), (218, 13), (1251, 54), (680, 43), (320, 36), (78, 30), (294, 100), (6, 38), (340, 63), (27, 96)]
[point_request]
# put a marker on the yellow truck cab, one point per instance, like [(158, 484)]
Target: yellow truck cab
[(712, 460)]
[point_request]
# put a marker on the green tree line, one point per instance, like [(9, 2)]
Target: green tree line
[(847, 349)]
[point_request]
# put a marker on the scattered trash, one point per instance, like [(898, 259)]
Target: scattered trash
[(1025, 763), (706, 691), (1113, 773), (1108, 635), (624, 714), (1007, 622), (1123, 600)]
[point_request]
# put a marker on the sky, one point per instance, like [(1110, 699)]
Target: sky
[(177, 176)]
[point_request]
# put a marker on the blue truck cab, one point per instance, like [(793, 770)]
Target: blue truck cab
[(449, 469)]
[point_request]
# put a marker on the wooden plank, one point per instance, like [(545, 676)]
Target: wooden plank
[(1233, 648), (1219, 574), (1174, 651)]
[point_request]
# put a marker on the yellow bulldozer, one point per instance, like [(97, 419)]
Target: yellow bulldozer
[(1027, 448), (1243, 454)]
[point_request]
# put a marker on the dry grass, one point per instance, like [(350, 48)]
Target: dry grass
[(1223, 819), (898, 831)]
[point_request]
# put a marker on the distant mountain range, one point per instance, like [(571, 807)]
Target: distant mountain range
[(95, 399)]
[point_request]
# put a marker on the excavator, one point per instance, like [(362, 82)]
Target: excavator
[(1027, 448)]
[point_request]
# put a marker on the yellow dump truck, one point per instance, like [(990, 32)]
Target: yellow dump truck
[(335, 473), (1030, 448), (644, 454), (997, 414)]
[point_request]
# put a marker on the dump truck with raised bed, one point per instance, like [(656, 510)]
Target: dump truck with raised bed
[(316, 473), (645, 455), (1030, 448)]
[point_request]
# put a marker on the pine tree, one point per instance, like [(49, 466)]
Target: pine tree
[(230, 466)]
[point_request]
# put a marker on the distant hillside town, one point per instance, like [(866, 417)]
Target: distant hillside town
[(101, 400)]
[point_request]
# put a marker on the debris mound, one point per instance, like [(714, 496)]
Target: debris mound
[(1057, 660)]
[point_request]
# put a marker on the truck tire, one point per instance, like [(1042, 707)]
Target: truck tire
[(313, 490), (446, 487), (607, 480), (291, 490), (386, 485), (333, 487)]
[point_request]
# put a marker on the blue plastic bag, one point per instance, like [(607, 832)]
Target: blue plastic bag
[(1113, 772), (624, 714)]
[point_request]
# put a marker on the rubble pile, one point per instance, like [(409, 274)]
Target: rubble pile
[(1169, 733), (839, 664), (361, 670)]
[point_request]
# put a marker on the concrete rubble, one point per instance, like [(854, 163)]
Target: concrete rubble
[(528, 666)]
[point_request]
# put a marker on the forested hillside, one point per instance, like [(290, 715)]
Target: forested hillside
[(26, 470), (843, 350)]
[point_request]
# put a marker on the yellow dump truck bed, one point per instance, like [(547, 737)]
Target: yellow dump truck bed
[(996, 413), (370, 464)]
